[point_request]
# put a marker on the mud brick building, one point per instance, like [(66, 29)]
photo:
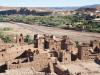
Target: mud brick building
[(39, 41), (44, 49), (67, 44), (89, 51), (54, 43), (20, 39)]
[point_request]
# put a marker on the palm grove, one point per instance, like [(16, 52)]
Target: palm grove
[(73, 22)]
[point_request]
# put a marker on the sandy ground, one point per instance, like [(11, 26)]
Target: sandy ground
[(86, 68), (15, 29), (36, 29)]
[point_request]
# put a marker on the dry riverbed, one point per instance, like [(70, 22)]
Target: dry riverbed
[(33, 29)]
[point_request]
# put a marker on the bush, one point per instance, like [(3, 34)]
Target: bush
[(1, 34), (28, 39), (7, 29), (7, 39)]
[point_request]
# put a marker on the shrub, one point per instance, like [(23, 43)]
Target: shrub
[(28, 39)]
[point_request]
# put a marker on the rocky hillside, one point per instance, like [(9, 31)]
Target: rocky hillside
[(89, 8)]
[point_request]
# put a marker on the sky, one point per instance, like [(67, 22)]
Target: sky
[(47, 3)]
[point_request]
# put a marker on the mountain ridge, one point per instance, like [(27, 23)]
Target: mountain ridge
[(51, 8)]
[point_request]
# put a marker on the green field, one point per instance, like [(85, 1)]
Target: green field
[(74, 22)]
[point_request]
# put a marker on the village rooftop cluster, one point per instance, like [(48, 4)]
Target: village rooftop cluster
[(49, 55)]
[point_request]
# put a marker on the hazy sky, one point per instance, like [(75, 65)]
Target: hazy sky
[(47, 3)]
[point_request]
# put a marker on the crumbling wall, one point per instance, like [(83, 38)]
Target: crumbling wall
[(40, 62)]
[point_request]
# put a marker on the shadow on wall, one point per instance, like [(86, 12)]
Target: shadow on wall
[(97, 61), (25, 54), (3, 68), (46, 69), (73, 57)]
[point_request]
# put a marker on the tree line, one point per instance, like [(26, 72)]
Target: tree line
[(24, 11), (73, 22)]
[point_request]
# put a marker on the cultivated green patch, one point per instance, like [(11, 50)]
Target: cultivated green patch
[(73, 22)]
